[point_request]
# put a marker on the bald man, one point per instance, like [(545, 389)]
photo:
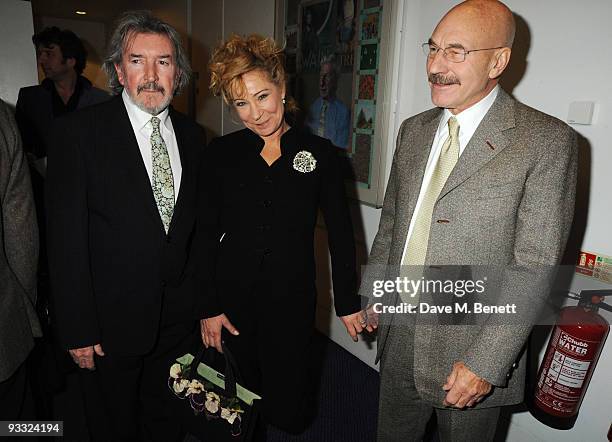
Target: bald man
[(479, 180)]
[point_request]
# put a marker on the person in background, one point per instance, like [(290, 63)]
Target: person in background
[(121, 206), (62, 58), (18, 259), (328, 116), (480, 180), (260, 191)]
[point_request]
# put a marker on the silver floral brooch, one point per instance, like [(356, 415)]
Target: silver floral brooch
[(304, 162)]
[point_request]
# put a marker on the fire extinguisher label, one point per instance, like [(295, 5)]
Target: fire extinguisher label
[(561, 370), (561, 379)]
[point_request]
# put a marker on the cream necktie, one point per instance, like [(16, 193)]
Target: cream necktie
[(162, 179), (416, 249)]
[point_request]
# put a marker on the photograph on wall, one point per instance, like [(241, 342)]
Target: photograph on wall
[(369, 26), (332, 49)]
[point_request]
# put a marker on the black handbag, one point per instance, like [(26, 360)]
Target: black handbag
[(218, 408)]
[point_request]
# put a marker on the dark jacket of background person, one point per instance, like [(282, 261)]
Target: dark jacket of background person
[(115, 274), (35, 115), (36, 110), (18, 251)]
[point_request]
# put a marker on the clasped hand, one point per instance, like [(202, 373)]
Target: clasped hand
[(464, 388), (355, 323)]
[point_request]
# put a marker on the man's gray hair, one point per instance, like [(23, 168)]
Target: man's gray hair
[(332, 61), (127, 26)]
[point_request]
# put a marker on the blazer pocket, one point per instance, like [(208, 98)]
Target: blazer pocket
[(496, 190)]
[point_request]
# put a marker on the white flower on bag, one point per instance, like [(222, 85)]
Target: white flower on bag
[(195, 387), (228, 415), (232, 417), (304, 162), (225, 413), (175, 371), (212, 402), (180, 385)]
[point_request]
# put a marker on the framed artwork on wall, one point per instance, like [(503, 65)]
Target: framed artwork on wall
[(337, 56)]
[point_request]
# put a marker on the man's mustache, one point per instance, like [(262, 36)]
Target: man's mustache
[(151, 86), (443, 80)]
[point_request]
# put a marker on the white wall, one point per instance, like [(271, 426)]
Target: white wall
[(213, 21), (16, 49), (206, 31)]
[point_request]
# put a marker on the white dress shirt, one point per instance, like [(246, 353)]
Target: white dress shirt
[(469, 120), (141, 123)]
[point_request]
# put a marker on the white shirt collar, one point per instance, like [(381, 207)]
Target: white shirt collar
[(140, 118), (469, 119)]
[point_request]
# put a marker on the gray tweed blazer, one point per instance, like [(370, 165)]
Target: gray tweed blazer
[(508, 202), (18, 250)]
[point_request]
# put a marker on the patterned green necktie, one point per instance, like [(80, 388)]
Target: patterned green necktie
[(163, 181)]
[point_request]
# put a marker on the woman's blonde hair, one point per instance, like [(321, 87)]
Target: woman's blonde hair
[(239, 55)]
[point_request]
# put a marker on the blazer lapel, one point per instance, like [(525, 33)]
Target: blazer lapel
[(486, 143), (185, 167), (129, 154)]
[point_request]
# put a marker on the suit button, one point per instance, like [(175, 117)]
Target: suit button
[(267, 179), (515, 365), (163, 284), (442, 221), (168, 239)]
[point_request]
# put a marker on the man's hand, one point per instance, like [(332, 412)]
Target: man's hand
[(84, 357), (357, 322), (464, 387), (210, 329)]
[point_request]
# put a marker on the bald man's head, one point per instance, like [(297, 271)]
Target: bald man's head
[(468, 51), (493, 19)]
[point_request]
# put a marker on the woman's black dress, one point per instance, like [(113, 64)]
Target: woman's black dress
[(255, 238)]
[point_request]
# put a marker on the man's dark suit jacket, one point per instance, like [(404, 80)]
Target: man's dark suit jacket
[(115, 274), (34, 112)]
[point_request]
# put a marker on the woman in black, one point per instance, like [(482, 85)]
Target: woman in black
[(261, 189)]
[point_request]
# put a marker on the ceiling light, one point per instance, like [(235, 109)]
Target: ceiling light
[(81, 12)]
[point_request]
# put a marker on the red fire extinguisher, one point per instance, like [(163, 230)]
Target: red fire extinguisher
[(573, 349)]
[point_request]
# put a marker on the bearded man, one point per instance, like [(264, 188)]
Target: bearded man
[(121, 216)]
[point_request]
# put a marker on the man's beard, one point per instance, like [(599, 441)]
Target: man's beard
[(151, 86)]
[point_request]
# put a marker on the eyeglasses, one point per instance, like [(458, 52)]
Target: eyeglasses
[(455, 55)]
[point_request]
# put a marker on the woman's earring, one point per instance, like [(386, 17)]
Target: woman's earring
[(284, 100)]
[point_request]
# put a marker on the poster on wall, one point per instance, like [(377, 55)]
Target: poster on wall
[(333, 55)]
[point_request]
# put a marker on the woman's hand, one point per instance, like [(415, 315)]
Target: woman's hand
[(357, 322), (210, 329)]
